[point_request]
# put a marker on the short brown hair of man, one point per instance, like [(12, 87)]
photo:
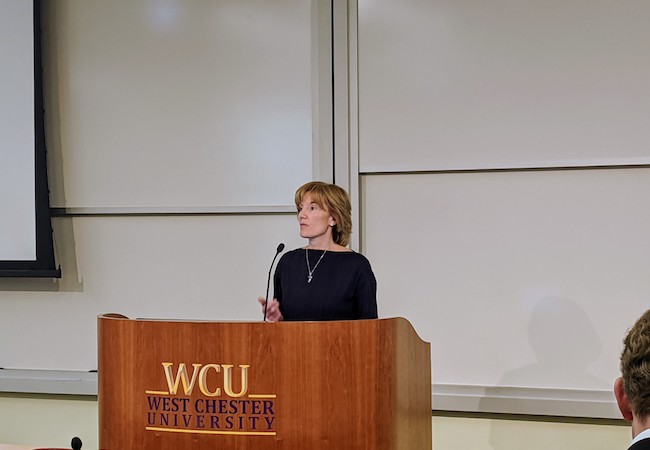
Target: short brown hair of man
[(335, 201), (635, 366)]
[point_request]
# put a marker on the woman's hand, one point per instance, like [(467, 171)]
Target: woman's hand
[(273, 313)]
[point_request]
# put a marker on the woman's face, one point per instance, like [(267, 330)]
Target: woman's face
[(314, 220)]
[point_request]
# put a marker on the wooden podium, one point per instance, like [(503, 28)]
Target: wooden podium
[(181, 385)]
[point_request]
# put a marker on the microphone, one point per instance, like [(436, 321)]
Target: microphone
[(268, 281), (76, 443)]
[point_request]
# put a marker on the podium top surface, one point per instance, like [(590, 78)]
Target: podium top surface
[(401, 321)]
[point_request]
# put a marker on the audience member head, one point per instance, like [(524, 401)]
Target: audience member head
[(632, 389)]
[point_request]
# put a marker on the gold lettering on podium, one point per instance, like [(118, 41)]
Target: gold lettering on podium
[(236, 412), (227, 380), (181, 375), (201, 372)]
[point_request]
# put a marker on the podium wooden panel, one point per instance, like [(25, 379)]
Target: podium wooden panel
[(274, 386)]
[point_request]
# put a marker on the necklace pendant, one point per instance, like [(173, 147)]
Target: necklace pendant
[(310, 271)]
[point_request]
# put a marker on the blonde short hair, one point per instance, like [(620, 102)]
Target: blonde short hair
[(635, 366), (335, 201)]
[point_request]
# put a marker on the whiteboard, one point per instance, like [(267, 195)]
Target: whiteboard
[(187, 106), (448, 84), (177, 267), (178, 103), (527, 279)]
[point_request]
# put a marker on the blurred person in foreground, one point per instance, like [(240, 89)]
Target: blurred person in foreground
[(632, 389)]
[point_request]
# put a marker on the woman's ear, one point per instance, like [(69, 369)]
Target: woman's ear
[(622, 400)]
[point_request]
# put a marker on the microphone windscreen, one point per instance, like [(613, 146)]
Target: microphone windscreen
[(280, 247)]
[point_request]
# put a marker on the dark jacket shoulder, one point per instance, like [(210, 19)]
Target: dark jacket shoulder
[(643, 444)]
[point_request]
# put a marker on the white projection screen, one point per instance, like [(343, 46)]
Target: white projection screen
[(26, 242), (17, 183)]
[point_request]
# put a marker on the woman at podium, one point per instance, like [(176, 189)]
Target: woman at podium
[(324, 280)]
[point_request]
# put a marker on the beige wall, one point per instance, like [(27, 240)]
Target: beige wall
[(53, 421), (457, 433)]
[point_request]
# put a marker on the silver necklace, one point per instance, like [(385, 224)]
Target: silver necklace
[(309, 269)]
